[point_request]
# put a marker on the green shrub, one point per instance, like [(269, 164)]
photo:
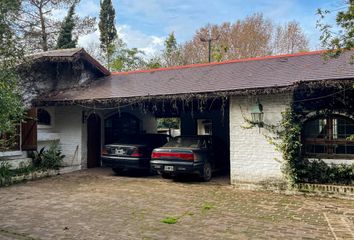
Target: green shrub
[(5, 172), (318, 171), (52, 158), (37, 157), (48, 159), (342, 174), (24, 169)]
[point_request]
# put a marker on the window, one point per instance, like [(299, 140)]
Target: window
[(24, 137), (328, 136), (43, 117), (169, 126), (205, 127)]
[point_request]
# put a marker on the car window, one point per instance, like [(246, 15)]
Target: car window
[(188, 142), (148, 139)]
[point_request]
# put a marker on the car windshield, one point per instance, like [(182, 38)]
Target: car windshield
[(187, 142), (140, 139)]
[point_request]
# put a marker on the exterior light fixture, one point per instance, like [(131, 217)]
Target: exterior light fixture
[(257, 114), (209, 40)]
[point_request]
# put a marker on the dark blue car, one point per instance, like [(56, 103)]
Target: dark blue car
[(132, 151), (199, 154)]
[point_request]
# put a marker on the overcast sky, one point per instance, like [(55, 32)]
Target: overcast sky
[(146, 23)]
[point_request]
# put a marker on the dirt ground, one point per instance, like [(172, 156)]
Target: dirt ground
[(96, 204)]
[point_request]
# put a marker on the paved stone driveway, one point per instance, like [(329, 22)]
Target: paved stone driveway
[(95, 204)]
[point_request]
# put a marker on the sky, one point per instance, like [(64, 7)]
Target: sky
[(145, 24)]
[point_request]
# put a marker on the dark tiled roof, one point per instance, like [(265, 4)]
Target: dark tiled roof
[(68, 54), (267, 72)]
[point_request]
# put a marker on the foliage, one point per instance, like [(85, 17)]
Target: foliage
[(207, 206), (52, 158), (11, 107), (48, 159), (253, 36), (171, 55), (343, 39), (24, 169), (108, 31), (39, 28), (290, 39), (170, 220), (125, 59), (287, 140), (37, 157), (318, 171), (65, 39), (5, 171), (218, 52), (154, 63), (287, 135)]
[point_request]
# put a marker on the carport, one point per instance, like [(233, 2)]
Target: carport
[(216, 98), (198, 116)]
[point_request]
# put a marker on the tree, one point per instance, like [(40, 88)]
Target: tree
[(154, 63), (245, 38), (290, 39), (11, 107), (125, 59), (65, 39), (108, 31), (254, 36), (171, 55), (342, 39), (39, 29)]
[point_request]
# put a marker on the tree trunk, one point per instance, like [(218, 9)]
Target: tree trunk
[(43, 28)]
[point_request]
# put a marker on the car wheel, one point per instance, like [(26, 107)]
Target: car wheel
[(206, 174), (117, 170), (166, 175)]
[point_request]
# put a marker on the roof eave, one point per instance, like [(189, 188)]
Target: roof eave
[(95, 63)]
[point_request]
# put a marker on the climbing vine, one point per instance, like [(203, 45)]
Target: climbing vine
[(286, 135), (289, 144)]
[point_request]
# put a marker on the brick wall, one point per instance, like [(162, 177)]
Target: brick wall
[(253, 159)]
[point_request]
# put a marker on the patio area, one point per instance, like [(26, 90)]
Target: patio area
[(96, 204)]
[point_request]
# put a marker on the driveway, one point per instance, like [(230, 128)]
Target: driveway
[(95, 204)]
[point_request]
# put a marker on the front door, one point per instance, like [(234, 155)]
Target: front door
[(93, 141)]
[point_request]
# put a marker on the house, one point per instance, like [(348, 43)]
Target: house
[(238, 101)]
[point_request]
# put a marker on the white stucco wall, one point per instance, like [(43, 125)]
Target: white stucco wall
[(253, 159), (67, 126)]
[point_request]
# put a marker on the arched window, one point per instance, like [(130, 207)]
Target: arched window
[(43, 117), (328, 137)]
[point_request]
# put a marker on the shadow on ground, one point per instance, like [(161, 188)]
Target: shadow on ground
[(220, 177)]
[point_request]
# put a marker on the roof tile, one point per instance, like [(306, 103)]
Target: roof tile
[(267, 72)]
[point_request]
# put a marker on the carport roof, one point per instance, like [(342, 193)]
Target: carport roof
[(235, 75)]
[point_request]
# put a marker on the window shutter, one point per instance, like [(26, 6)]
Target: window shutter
[(29, 131)]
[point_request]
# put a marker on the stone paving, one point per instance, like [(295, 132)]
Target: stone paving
[(95, 204)]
